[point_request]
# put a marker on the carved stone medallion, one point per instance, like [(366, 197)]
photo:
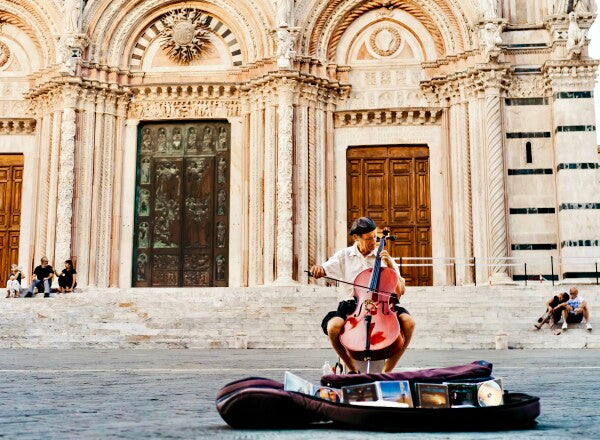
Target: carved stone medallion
[(185, 35), (385, 41)]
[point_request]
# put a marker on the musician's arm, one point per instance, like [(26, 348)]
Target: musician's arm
[(400, 287), (333, 268)]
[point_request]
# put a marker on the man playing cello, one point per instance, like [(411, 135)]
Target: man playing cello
[(345, 265)]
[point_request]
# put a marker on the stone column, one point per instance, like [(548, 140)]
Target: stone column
[(128, 202), (96, 186), (478, 193), (43, 150), (460, 174), (496, 194), (270, 139), (255, 263), (51, 189), (66, 180), (577, 169), (303, 190), (85, 175), (321, 183), (456, 170), (117, 192), (104, 212), (285, 227)]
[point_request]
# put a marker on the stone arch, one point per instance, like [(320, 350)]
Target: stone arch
[(445, 20), (115, 26), (213, 23), (35, 25), (409, 30)]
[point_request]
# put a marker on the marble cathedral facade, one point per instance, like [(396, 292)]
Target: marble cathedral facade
[(229, 142)]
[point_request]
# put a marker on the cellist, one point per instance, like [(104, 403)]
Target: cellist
[(345, 265)]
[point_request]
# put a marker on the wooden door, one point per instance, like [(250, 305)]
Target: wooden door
[(182, 205), (11, 185), (391, 185)]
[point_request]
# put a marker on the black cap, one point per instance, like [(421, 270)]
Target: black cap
[(362, 225)]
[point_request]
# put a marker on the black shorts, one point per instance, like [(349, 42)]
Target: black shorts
[(347, 307), (572, 318)]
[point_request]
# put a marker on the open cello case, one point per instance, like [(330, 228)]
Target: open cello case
[(258, 403), (372, 333)]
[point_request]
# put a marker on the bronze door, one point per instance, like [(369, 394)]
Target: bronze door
[(391, 185), (11, 184), (182, 205)]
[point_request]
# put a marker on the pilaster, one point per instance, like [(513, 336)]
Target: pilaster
[(285, 226), (576, 164)]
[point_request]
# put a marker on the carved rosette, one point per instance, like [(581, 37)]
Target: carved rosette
[(285, 229), (185, 35), (65, 186)]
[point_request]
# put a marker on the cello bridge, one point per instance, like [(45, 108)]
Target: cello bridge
[(370, 305)]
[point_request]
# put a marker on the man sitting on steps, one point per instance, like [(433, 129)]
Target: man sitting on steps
[(576, 310)]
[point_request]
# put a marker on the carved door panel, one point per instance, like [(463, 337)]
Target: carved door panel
[(391, 185), (182, 206), (11, 184)]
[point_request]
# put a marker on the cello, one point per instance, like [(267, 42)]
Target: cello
[(372, 332)]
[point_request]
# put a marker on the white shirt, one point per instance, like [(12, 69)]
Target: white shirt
[(13, 285), (347, 263)]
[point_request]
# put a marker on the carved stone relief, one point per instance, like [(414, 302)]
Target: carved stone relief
[(4, 54)]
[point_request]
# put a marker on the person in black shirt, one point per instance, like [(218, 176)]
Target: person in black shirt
[(67, 280), (42, 276), (554, 308)]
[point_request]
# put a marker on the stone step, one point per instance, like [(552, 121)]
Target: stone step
[(447, 318)]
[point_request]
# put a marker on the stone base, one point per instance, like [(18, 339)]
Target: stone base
[(283, 317)]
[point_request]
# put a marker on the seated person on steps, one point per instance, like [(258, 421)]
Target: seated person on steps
[(345, 265), (575, 311), (553, 313), (13, 285), (42, 277)]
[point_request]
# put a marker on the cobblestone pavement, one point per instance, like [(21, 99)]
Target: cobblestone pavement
[(60, 394)]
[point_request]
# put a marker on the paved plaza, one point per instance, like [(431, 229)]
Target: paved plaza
[(93, 394)]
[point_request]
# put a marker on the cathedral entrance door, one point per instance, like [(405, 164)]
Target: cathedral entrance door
[(182, 204), (391, 185), (11, 185)]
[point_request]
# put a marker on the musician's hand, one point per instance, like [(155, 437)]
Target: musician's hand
[(385, 256), (317, 271)]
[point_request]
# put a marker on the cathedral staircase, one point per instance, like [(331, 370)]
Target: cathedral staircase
[(282, 317)]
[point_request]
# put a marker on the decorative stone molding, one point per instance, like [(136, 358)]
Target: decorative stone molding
[(526, 86), (17, 126), (570, 75), (357, 118), (184, 109), (168, 102)]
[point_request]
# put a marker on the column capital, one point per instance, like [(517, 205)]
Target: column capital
[(570, 75)]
